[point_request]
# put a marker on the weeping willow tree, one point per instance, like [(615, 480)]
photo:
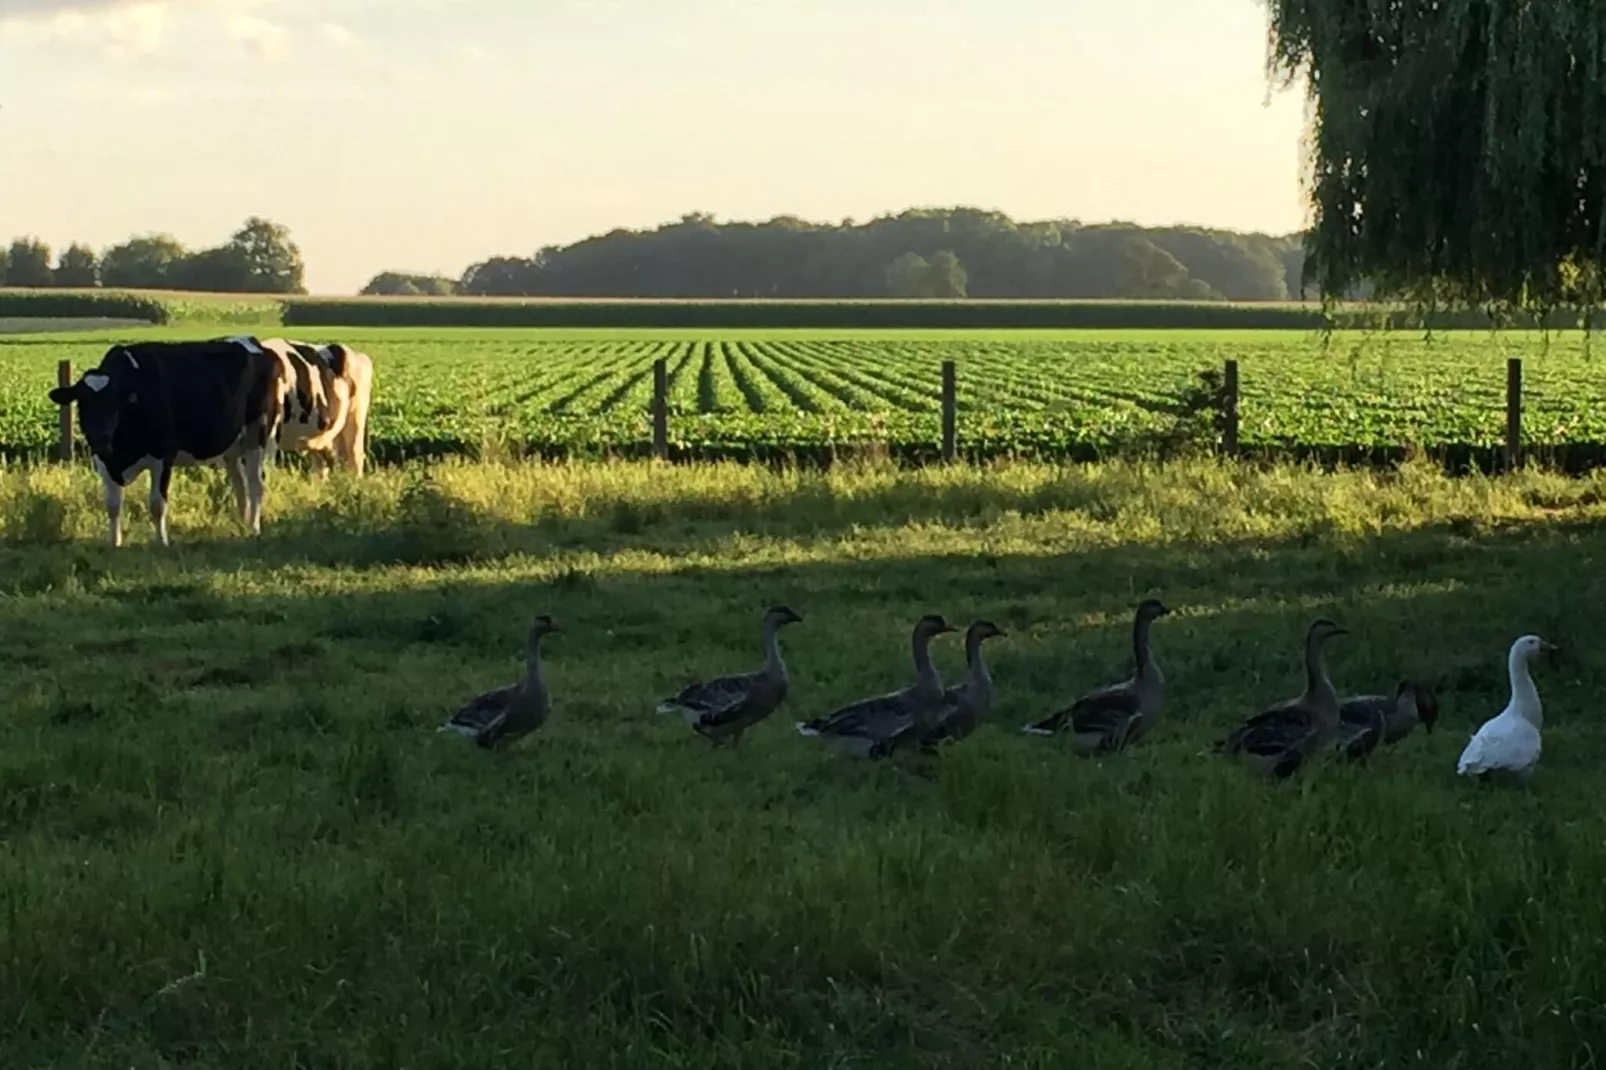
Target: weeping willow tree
[(1457, 149)]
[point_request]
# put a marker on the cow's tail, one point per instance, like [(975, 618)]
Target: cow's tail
[(338, 407), (284, 403), (284, 389)]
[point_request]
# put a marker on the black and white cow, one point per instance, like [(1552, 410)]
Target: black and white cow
[(154, 406), (326, 407)]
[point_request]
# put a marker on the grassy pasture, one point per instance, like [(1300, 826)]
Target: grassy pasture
[(749, 394), (230, 835)]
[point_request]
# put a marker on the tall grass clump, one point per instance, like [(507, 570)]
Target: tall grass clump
[(83, 304)]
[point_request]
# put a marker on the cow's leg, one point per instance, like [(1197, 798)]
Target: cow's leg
[(231, 465), (161, 480), (114, 503), (359, 442), (271, 446), (351, 438), (254, 461)]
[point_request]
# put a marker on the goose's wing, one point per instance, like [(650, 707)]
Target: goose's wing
[(1362, 722), (956, 703), (956, 718), (1111, 710), (1107, 710), (483, 713), (1503, 742), (870, 718), (712, 702), (1364, 710), (1269, 731), (1356, 740)]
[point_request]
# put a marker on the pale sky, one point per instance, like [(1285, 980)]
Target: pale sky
[(423, 135)]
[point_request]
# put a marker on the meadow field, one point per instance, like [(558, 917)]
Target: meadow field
[(771, 393), (231, 835)]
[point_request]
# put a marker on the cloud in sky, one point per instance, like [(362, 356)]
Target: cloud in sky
[(22, 9), (85, 12), (124, 28), (337, 34), (267, 40), (119, 26)]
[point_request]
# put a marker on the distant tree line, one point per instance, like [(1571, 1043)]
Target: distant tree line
[(260, 257), (935, 253), (944, 252), (405, 284)]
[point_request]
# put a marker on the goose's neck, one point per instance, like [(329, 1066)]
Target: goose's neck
[(1524, 695), (1317, 686), (772, 650), (926, 677), (1142, 659), (533, 683), (981, 681)]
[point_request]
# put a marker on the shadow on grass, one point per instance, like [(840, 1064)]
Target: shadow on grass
[(216, 744), (1432, 602)]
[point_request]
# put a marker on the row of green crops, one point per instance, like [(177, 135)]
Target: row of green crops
[(148, 306), (733, 393), (748, 313), (302, 312)]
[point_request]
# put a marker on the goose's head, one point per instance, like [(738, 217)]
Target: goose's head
[(1421, 696), (984, 629), (1152, 609), (776, 616), (543, 625), (932, 624), (1530, 646), (1321, 629)]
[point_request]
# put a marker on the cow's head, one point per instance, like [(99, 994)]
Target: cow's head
[(104, 396)]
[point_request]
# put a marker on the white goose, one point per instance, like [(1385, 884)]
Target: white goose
[(1509, 741)]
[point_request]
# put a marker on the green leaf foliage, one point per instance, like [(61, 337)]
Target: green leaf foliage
[(1457, 147)]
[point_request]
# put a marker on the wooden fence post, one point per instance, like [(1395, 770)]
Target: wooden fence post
[(1513, 413), (950, 445), (1229, 409), (64, 444), (660, 409)]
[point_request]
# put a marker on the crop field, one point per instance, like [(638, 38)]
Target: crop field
[(1046, 393)]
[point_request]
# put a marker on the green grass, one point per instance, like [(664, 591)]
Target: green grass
[(230, 835), (767, 393)]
